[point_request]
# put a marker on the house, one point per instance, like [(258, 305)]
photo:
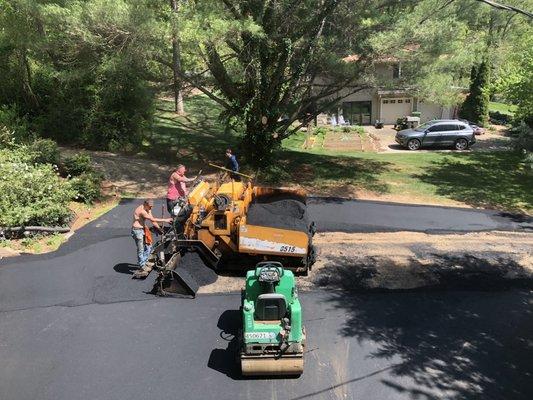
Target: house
[(384, 103)]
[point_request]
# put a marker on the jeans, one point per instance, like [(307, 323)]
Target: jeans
[(143, 250)]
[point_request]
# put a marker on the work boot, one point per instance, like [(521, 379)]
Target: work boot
[(141, 273), (149, 266)]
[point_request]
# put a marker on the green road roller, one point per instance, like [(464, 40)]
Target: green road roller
[(272, 339)]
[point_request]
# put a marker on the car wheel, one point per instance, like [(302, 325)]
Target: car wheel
[(413, 144), (461, 144)]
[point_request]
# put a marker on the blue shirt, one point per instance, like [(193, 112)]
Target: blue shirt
[(233, 164)]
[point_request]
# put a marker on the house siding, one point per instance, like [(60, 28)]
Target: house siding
[(429, 111), (385, 72)]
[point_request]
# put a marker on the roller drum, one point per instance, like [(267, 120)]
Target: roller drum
[(287, 365)]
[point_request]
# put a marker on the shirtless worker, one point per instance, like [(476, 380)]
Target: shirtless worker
[(177, 187), (142, 235)]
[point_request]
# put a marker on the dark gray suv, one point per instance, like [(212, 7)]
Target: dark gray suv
[(438, 133)]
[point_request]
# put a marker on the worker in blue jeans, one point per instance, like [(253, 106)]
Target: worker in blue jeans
[(143, 237)]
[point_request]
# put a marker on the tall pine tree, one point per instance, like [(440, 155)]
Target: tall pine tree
[(476, 105)]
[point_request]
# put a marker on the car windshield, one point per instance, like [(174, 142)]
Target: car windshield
[(423, 127)]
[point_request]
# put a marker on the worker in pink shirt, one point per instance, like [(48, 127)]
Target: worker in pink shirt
[(177, 187)]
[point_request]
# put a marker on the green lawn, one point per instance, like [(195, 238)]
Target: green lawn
[(503, 108), (484, 179), (478, 179), (195, 138)]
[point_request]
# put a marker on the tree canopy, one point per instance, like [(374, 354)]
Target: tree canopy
[(87, 72)]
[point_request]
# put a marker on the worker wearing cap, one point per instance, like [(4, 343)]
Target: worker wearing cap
[(232, 164), (142, 235), (177, 187)]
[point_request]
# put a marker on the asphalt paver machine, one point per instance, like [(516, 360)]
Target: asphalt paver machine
[(232, 225)]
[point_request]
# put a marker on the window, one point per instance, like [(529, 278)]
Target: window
[(357, 112), (407, 100), (393, 101), (460, 127), (400, 101), (443, 128), (385, 102), (396, 72)]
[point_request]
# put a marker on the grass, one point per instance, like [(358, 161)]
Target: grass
[(198, 136), (491, 179), (44, 243), (480, 179), (508, 109), (36, 244)]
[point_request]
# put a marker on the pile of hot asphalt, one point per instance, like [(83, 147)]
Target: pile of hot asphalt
[(279, 212)]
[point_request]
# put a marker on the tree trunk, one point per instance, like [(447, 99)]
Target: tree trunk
[(25, 74), (259, 142), (176, 60)]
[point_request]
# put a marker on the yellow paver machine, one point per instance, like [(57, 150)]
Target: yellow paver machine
[(233, 225)]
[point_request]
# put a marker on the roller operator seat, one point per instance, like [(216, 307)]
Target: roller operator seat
[(270, 307)]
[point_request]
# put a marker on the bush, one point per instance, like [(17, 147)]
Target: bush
[(499, 118), (45, 151), (32, 194), (13, 129), (77, 164), (320, 131), (87, 187), (16, 154)]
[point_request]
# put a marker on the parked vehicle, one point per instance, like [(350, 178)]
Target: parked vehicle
[(407, 122), (478, 130), (438, 133)]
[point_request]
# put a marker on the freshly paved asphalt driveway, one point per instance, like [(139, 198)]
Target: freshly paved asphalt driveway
[(73, 325), (333, 214)]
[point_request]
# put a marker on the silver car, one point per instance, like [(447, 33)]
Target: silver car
[(438, 133)]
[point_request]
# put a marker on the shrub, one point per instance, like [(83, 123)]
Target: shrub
[(499, 118), (13, 129), (320, 131), (77, 164), (32, 194), (45, 151), (87, 187), (16, 154)]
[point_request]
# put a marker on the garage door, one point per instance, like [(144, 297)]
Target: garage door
[(392, 109)]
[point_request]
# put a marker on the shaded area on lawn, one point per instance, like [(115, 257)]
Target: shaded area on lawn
[(196, 137), (324, 171), (450, 346), (482, 179), (200, 137)]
